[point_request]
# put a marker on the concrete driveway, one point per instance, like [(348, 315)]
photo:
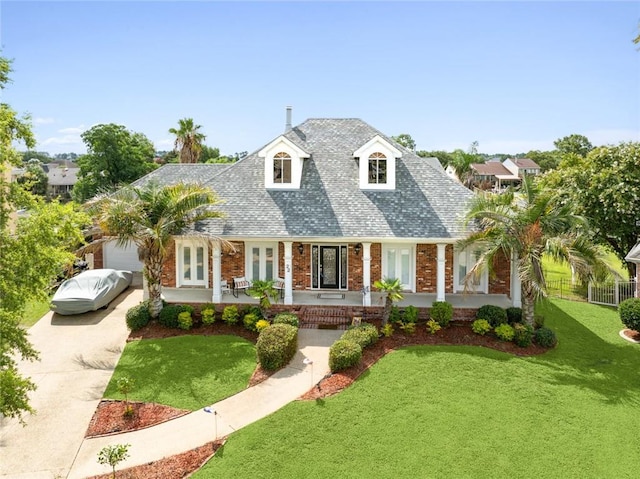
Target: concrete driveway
[(78, 355)]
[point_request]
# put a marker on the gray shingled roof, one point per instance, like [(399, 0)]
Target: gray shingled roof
[(186, 172), (330, 204)]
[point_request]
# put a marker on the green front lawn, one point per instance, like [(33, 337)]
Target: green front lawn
[(34, 310), (465, 412), (186, 372)]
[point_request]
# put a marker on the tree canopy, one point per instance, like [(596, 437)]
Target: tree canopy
[(405, 140), (188, 140), (115, 156)]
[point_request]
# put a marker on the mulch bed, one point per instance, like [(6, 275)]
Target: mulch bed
[(108, 417)]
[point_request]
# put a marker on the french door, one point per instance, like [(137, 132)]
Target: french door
[(465, 260), (398, 263), (262, 262), (192, 264)]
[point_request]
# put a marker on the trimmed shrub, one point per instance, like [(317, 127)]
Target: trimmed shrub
[(138, 316), (523, 334), (514, 315), (185, 321), (433, 326), (343, 354), (250, 321), (629, 311), (481, 327), (286, 318), (410, 314), (252, 310), (262, 324), (442, 312), (208, 314), (169, 314), (505, 332), (230, 314), (364, 335), (276, 346), (538, 320), (545, 337), (395, 316), (408, 328), (494, 314), (387, 330)]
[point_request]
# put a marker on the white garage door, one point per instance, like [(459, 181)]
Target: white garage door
[(121, 257)]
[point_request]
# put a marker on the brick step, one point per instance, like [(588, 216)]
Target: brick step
[(335, 318)]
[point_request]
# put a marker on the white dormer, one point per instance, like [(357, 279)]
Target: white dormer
[(282, 164), (377, 164)]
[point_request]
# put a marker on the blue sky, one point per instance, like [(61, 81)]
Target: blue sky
[(512, 75)]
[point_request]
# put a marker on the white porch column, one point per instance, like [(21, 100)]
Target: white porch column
[(441, 284), (516, 285), (216, 273), (366, 274), (288, 275)]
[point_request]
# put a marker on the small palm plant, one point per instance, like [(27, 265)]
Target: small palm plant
[(393, 290), (265, 292)]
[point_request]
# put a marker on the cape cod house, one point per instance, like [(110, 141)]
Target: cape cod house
[(328, 207)]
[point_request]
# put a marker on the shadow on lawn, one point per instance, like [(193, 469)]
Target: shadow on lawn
[(585, 359)]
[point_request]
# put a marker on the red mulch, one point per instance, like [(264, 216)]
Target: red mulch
[(631, 334), (109, 418)]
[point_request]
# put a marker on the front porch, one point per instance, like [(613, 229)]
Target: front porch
[(338, 298)]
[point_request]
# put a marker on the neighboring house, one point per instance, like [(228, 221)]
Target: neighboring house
[(330, 205), (61, 180), (496, 176), (634, 257), (521, 166)]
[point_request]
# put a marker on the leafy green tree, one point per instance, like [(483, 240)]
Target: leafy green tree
[(113, 455), (34, 179), (546, 160), (605, 188), (42, 156), (392, 289), (209, 154), (405, 140), (150, 216), (529, 225), (188, 140), (115, 156), (573, 144), (461, 162), (443, 157)]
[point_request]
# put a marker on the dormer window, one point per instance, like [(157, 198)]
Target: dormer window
[(282, 168), (377, 162), (283, 161), (377, 169)]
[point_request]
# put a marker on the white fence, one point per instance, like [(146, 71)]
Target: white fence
[(611, 294)]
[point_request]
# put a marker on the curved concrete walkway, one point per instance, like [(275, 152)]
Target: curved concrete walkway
[(199, 427)]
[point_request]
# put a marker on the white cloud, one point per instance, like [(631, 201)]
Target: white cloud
[(43, 121), (63, 140), (73, 130)]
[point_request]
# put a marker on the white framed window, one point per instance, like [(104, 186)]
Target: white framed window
[(282, 168), (398, 262), (463, 261), (377, 169), (192, 265), (261, 261)]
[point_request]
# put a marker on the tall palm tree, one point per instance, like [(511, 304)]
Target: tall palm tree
[(149, 216), (525, 226), (392, 288), (188, 140)]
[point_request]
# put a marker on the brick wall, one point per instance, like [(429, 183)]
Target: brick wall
[(500, 283)]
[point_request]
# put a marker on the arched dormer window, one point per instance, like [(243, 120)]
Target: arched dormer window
[(282, 168), (377, 169)]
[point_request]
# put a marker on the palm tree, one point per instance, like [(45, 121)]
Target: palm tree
[(149, 216), (188, 140), (393, 291), (525, 226)]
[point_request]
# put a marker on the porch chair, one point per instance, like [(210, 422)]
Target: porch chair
[(279, 285), (224, 286), (239, 284)]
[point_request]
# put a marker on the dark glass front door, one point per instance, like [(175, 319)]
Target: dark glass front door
[(329, 272)]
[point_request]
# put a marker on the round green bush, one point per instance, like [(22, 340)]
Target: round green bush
[(276, 346), (514, 315), (629, 311), (230, 314), (286, 318), (208, 315), (343, 354), (169, 315), (185, 321), (523, 334), (545, 337), (363, 335), (481, 327), (395, 316), (138, 316), (262, 324), (494, 314), (442, 312), (504, 332), (250, 321), (410, 314)]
